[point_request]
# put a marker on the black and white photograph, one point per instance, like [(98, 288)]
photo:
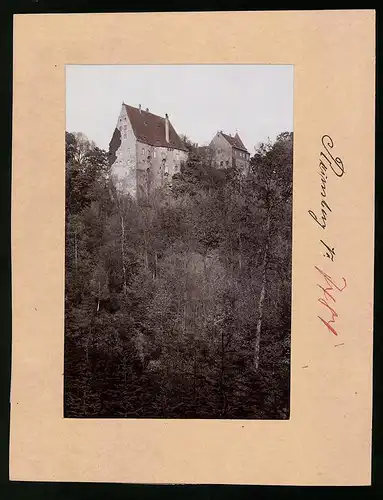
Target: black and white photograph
[(178, 241)]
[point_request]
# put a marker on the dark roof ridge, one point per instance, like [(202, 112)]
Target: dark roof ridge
[(150, 129), (235, 141)]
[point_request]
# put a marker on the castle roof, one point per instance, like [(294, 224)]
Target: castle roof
[(150, 129), (235, 141)]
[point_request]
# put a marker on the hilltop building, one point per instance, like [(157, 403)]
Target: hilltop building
[(229, 151), (145, 151)]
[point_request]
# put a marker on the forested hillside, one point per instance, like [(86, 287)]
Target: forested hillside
[(178, 306)]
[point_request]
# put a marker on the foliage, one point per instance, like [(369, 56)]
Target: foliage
[(163, 295)]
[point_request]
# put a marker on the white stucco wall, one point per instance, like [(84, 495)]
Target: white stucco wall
[(135, 160), (222, 157), (124, 168), (225, 155), (242, 160), (160, 161)]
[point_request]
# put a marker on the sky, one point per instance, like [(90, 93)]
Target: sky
[(254, 100)]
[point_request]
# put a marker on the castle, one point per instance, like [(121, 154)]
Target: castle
[(229, 151), (146, 151)]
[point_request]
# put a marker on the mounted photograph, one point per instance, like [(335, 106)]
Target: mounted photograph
[(178, 241)]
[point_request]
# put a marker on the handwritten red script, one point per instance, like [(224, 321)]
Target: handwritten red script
[(328, 298)]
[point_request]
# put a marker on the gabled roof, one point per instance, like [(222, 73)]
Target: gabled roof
[(150, 129), (235, 141)]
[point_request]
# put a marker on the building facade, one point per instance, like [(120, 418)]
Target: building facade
[(229, 151), (145, 151)]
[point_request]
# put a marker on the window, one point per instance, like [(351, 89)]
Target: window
[(154, 153), (221, 163), (227, 162), (143, 151)]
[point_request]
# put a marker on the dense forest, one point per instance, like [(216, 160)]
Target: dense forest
[(178, 305)]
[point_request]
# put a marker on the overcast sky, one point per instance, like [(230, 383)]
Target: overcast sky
[(255, 100)]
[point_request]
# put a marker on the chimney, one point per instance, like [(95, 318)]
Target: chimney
[(139, 107), (147, 110), (167, 127)]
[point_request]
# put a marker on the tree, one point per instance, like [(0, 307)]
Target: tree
[(187, 143), (272, 165), (178, 304)]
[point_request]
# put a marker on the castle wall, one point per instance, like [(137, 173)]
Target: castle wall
[(222, 152), (241, 160), (139, 168), (156, 165), (124, 167), (225, 156)]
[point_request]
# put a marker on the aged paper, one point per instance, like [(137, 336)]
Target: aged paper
[(327, 440)]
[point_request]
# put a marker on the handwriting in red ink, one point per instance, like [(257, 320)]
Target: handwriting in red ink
[(328, 298)]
